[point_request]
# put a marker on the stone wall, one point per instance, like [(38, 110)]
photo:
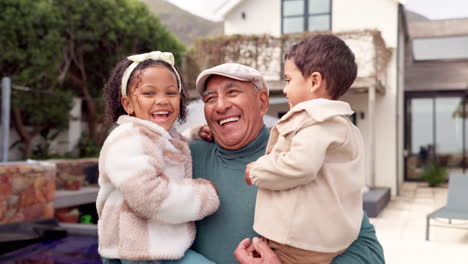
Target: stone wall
[(27, 191), (71, 172)]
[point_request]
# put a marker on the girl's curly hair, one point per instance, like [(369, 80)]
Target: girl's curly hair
[(112, 89)]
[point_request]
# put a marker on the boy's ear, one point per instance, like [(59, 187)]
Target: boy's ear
[(125, 101), (315, 81)]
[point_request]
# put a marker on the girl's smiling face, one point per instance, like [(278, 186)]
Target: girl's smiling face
[(153, 96)]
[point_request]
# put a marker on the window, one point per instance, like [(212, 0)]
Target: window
[(306, 15), (436, 128), (443, 48)]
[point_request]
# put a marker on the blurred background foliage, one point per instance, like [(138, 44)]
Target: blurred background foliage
[(55, 50)]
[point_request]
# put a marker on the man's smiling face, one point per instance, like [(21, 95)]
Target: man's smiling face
[(234, 111)]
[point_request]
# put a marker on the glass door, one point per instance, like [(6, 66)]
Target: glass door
[(435, 128), (449, 115), (419, 135)]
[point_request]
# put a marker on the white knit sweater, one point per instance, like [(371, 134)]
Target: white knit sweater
[(147, 198)]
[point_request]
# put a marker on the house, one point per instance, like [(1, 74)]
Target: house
[(376, 31), (436, 101)]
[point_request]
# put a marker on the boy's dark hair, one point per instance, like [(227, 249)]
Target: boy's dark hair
[(112, 89), (328, 55)]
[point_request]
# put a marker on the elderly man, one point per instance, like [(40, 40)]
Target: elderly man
[(236, 98)]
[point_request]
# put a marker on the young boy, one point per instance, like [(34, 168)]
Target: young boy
[(309, 203)]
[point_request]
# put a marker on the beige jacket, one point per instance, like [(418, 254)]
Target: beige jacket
[(311, 178)]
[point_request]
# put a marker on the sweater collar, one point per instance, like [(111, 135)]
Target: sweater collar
[(258, 144), (156, 128)]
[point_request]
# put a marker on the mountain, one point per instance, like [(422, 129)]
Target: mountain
[(186, 26)]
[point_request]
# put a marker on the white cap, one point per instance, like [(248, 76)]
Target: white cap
[(234, 71)]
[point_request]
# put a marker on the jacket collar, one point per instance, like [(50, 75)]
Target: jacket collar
[(312, 111), (158, 129)]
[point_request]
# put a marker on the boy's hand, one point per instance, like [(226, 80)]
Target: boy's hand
[(205, 133), (247, 174)]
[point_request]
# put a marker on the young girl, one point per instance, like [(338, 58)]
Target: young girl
[(147, 200)]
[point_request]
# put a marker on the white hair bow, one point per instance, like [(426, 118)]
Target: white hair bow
[(154, 55)]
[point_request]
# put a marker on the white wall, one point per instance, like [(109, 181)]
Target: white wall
[(400, 106), (264, 17), (359, 104), (14, 153), (383, 16), (367, 14), (261, 17), (66, 141)]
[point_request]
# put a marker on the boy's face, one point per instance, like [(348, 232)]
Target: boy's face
[(156, 99), (297, 88)]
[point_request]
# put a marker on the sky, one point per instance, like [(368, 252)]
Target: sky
[(438, 9), (432, 9), (203, 8)]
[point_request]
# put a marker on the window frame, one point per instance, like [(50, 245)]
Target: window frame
[(306, 15), (431, 42), (433, 95)]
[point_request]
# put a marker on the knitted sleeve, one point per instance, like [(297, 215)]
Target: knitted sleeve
[(193, 133), (134, 163)]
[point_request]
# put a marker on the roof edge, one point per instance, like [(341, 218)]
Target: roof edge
[(227, 7)]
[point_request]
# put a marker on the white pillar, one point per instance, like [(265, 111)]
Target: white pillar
[(371, 151), (6, 96)]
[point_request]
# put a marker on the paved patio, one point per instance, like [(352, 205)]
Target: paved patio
[(401, 228)]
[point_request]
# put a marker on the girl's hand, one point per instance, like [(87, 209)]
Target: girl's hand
[(247, 174), (205, 133), (205, 181)]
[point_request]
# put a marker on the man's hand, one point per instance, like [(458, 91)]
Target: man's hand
[(256, 253), (205, 133)]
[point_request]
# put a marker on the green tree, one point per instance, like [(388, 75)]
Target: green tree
[(97, 35), (64, 48), (30, 53)]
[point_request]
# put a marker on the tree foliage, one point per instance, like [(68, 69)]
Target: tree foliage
[(65, 48), (30, 46), (98, 34), (29, 40)]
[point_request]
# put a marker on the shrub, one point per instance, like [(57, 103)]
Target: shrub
[(434, 173)]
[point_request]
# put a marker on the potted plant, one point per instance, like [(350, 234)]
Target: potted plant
[(67, 215), (434, 173)]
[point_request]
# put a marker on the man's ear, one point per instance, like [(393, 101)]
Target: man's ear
[(125, 101), (265, 101), (315, 82)]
